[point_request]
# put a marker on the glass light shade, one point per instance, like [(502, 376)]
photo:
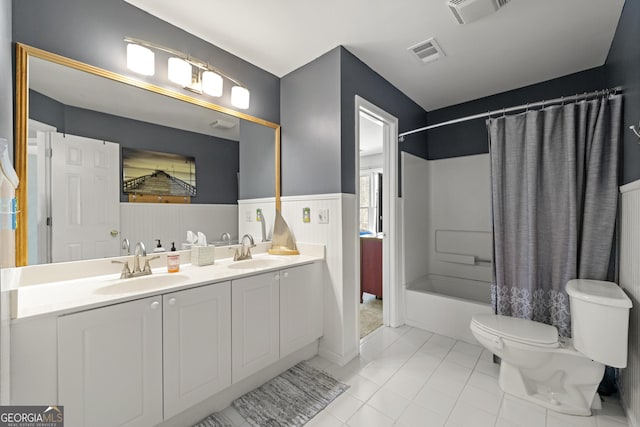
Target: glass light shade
[(240, 97), (212, 83), (140, 59), (179, 71)]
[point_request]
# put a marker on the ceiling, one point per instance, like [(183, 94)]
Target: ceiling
[(525, 42)]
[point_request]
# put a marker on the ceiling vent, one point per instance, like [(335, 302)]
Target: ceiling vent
[(466, 11), (427, 51), (222, 124)]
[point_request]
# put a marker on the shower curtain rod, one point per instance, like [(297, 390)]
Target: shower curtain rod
[(562, 100)]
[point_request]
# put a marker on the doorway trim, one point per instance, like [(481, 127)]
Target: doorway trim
[(390, 244)]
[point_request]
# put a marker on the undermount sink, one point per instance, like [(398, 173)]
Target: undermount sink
[(250, 264), (143, 283)]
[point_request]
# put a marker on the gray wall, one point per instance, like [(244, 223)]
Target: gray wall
[(92, 31), (257, 161), (216, 158), (623, 68), (318, 121), (357, 78), (470, 137), (6, 73), (311, 131)]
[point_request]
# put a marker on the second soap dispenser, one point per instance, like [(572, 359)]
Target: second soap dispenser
[(173, 260)]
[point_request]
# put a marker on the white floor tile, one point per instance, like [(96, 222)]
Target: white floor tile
[(422, 362), (380, 371), (466, 348), (434, 400), (344, 407), (366, 416), (487, 367), (523, 413), (467, 415), (324, 419), (419, 416), (361, 388), (445, 385), (461, 358), (485, 382), (233, 416), (389, 403), (407, 383), (479, 398), (603, 421), (555, 419), (453, 371), (417, 336)]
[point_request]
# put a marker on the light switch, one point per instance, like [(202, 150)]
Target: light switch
[(248, 215), (323, 216)]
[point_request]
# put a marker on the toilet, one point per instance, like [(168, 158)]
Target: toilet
[(561, 374)]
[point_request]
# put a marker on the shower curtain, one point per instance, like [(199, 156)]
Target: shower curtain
[(554, 185)]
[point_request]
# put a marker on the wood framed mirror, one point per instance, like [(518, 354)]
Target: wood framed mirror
[(28, 58)]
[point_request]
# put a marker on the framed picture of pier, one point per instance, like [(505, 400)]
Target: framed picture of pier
[(153, 176)]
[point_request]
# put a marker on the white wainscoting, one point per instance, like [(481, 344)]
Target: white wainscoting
[(247, 218), (144, 222), (340, 341), (630, 282)]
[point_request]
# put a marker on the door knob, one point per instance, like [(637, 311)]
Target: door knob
[(286, 274), (276, 277), (114, 233), (172, 301), (155, 305)]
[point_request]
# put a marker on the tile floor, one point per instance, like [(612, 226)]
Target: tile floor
[(408, 377)]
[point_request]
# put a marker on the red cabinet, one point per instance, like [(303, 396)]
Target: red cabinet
[(371, 266)]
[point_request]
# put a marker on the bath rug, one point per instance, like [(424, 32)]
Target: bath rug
[(215, 420), (290, 399)]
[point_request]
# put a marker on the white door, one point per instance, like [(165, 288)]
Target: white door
[(254, 324), (110, 365), (301, 305), (85, 199), (197, 345)]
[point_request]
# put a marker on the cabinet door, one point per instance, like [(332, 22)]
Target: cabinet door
[(197, 345), (255, 324), (110, 365), (301, 302)]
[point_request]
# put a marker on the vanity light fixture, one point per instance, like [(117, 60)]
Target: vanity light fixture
[(190, 73), (140, 59), (240, 97), (179, 71)]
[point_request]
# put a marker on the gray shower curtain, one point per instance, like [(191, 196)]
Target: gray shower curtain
[(554, 183)]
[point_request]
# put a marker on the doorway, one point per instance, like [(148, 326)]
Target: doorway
[(376, 193)]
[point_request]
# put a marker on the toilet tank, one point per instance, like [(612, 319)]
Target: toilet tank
[(599, 320)]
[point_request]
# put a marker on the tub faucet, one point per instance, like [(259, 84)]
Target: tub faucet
[(241, 253), (139, 251)]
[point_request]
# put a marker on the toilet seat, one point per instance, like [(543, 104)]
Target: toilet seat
[(522, 331)]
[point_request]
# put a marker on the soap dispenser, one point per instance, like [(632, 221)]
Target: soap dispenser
[(173, 260), (158, 247)]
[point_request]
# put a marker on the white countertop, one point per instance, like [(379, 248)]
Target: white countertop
[(72, 295)]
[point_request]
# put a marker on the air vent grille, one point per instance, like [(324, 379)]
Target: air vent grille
[(467, 11), (427, 51)]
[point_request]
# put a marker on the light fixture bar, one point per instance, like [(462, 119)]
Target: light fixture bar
[(203, 65)]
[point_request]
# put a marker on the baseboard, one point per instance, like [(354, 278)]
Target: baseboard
[(336, 358), (631, 419)]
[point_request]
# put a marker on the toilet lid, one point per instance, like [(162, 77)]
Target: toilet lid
[(521, 330)]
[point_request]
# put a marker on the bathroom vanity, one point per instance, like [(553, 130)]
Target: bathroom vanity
[(139, 351)]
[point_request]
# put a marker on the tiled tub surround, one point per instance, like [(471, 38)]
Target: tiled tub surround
[(408, 377), (67, 287)]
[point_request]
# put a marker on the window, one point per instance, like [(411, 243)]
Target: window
[(370, 201)]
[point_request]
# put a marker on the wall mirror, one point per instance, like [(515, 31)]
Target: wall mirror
[(73, 121)]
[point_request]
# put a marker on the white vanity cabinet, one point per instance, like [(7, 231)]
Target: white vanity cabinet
[(110, 365), (196, 345), (301, 305), (255, 327), (274, 314)]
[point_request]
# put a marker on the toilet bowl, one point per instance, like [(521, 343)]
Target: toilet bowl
[(559, 373)]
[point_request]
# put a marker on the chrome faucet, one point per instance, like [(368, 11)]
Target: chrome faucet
[(241, 253), (227, 237), (139, 251), (261, 217), (126, 245)]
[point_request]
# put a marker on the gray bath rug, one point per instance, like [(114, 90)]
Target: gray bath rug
[(290, 399), (215, 420)]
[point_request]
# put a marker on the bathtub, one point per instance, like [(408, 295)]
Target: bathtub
[(445, 305)]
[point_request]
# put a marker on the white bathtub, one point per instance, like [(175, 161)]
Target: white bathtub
[(445, 305)]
